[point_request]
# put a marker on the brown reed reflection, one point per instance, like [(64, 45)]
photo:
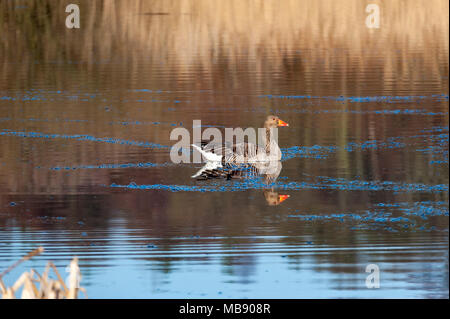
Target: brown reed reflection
[(209, 36), (137, 69)]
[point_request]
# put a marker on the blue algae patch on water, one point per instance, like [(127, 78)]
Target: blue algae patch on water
[(344, 184), (124, 123), (409, 216), (49, 120), (364, 99), (436, 129), (424, 209), (373, 144), (131, 122), (323, 151), (437, 147), (316, 151), (41, 95), (347, 111), (322, 183), (150, 91), (172, 188), (7, 98), (113, 166), (81, 137)]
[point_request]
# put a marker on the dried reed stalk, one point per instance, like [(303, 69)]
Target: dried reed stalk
[(35, 286)]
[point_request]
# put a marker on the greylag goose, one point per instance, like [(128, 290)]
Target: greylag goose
[(245, 152)]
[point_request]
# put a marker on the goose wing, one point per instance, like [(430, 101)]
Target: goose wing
[(269, 170), (227, 171), (232, 153)]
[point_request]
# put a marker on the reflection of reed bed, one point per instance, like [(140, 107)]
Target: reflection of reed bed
[(209, 36)]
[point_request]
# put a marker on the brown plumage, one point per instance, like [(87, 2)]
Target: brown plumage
[(245, 152)]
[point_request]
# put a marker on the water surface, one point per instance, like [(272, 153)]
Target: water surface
[(85, 120)]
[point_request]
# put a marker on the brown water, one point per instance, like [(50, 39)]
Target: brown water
[(85, 119)]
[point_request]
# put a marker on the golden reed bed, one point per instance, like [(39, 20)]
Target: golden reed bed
[(202, 31)]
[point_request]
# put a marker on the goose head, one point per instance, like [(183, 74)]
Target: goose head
[(273, 121)]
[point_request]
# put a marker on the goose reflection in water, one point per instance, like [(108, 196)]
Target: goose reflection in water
[(269, 171)]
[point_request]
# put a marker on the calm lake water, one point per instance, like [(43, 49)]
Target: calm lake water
[(85, 120)]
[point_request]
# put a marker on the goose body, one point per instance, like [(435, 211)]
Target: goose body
[(245, 152), (245, 160), (241, 159)]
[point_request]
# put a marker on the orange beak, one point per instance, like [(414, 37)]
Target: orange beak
[(282, 198), (282, 123)]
